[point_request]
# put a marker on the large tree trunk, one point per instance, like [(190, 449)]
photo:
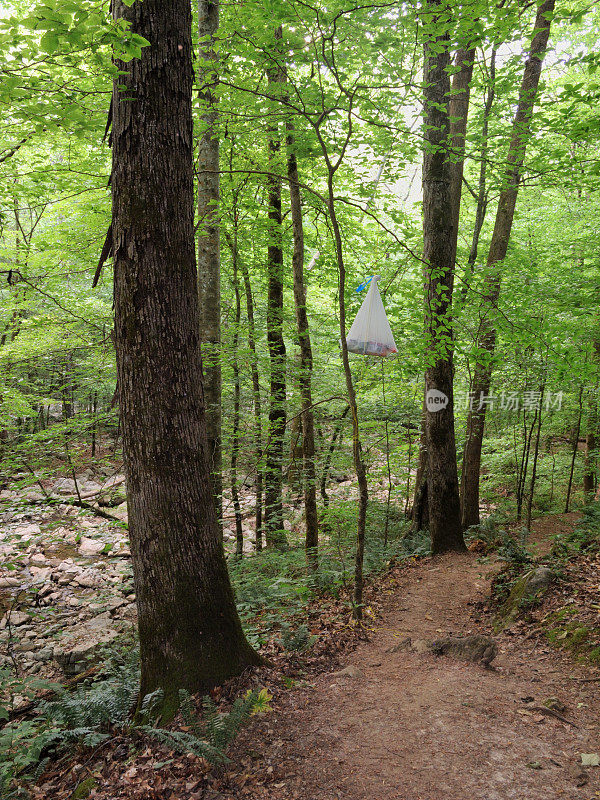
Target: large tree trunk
[(209, 267), (439, 250), (190, 632), (274, 533), (499, 245), (306, 362), (458, 112)]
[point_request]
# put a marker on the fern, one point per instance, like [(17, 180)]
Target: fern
[(296, 640), (183, 742), (210, 735), (100, 705)]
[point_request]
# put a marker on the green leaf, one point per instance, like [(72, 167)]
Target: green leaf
[(49, 42)]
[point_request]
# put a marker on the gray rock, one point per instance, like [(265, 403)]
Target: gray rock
[(539, 579), (527, 588), (90, 547), (64, 486), (17, 618), (421, 646), (43, 654), (75, 653), (476, 648), (88, 580), (349, 672), (120, 512), (9, 583), (28, 530), (41, 574)]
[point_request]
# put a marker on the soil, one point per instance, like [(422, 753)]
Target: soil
[(408, 726)]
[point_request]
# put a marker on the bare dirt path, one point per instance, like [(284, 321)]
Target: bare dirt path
[(407, 726)]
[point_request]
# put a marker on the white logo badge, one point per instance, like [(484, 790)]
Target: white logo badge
[(435, 400)]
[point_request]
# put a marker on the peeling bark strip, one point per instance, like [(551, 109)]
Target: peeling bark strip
[(209, 258), (439, 249), (190, 633), (486, 344)]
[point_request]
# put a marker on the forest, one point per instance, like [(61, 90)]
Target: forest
[(299, 400)]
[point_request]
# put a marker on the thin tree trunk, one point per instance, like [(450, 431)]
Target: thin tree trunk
[(482, 196), (359, 466), (209, 258), (589, 477), (94, 423), (575, 448), (499, 245), (420, 508), (337, 432), (274, 532), (387, 462), (258, 448), (306, 362), (591, 456), (439, 249), (235, 433), (459, 110), (524, 462), (535, 461), (409, 467), (189, 630)]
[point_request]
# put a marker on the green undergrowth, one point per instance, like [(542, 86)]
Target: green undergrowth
[(512, 599), (274, 587), (273, 590), (564, 627), (584, 538), (95, 712), (565, 631)]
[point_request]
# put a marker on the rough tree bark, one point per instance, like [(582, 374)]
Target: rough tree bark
[(309, 477), (190, 632), (274, 532), (209, 263), (439, 250), (458, 113), (486, 340)]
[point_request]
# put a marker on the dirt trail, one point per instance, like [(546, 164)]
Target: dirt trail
[(419, 727)]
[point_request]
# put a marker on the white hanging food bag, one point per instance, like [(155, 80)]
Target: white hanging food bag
[(370, 334)]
